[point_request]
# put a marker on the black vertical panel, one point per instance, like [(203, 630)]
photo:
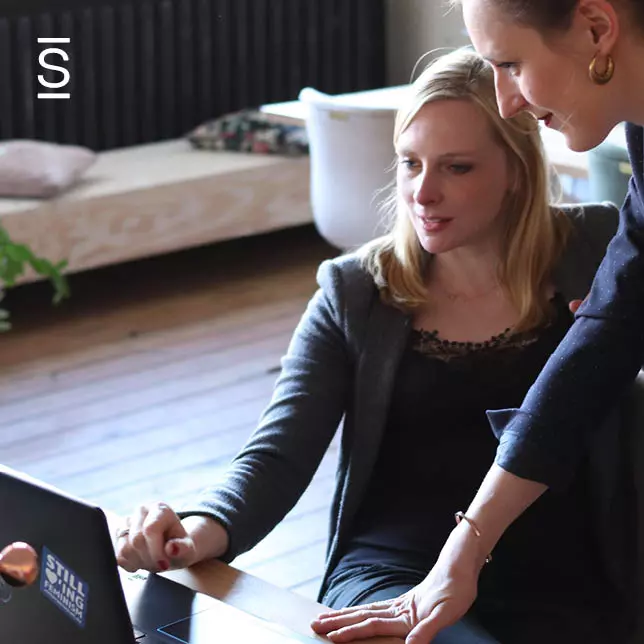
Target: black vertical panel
[(44, 110), (204, 59), (54, 113), (336, 59), (349, 44), (88, 79), (242, 70), (329, 50), (371, 34), (144, 70), (126, 72), (69, 110), (7, 63), (187, 31), (278, 52), (259, 41), (326, 53), (313, 43), (26, 82), (361, 28), (147, 63), (107, 78), (225, 58), (167, 68), (295, 39), (339, 36)]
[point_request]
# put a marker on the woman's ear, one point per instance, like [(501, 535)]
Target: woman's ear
[(600, 21)]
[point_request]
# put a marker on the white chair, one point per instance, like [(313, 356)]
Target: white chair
[(352, 154)]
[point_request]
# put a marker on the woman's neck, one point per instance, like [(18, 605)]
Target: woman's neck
[(632, 92), (466, 302), (464, 275)]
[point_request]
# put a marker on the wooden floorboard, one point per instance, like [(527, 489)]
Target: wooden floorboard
[(224, 403), (146, 383), (149, 352)]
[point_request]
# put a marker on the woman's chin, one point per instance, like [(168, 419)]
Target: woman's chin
[(434, 246), (580, 141)]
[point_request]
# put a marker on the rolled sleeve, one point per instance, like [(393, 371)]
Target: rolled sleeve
[(523, 449), (580, 384)]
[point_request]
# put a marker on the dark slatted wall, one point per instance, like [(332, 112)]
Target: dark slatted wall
[(149, 70)]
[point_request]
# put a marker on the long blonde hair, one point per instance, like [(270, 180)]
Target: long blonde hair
[(534, 233)]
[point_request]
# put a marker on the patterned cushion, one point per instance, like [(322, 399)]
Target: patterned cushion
[(250, 131)]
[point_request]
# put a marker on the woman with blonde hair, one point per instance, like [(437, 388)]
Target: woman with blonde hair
[(575, 65), (407, 342)]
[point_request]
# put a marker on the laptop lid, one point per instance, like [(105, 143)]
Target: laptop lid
[(77, 596), (82, 596)]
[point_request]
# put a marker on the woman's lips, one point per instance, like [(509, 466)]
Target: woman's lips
[(434, 224), (547, 119)]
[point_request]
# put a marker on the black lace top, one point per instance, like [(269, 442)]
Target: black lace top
[(437, 448)]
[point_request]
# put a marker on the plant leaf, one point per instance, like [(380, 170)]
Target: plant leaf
[(14, 260)]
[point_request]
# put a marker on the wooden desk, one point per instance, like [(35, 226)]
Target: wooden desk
[(258, 597), (254, 596)]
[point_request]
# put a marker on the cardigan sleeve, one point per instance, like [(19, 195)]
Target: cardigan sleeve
[(275, 466), (594, 364)]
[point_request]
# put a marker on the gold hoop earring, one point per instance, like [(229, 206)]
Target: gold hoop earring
[(606, 75)]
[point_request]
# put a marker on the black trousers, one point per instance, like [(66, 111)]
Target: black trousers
[(490, 621)]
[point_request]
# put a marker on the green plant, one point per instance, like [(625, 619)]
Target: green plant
[(15, 259)]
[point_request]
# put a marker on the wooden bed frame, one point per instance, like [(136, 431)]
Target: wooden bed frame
[(161, 197)]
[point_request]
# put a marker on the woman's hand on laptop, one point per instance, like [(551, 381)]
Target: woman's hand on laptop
[(156, 539)]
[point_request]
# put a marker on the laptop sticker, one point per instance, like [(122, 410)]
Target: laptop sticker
[(60, 584)]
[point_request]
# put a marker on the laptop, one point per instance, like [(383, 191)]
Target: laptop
[(81, 596)]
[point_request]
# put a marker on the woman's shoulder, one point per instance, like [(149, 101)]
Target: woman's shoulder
[(346, 273), (349, 292), (593, 226), (593, 223)]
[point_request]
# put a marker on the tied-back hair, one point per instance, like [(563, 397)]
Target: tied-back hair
[(534, 233), (550, 17)]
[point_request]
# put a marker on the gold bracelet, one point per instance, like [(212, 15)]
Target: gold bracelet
[(460, 516)]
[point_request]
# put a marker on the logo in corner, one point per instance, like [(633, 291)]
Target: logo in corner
[(63, 587)]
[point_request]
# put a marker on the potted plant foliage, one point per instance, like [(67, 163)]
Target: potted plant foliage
[(15, 259)]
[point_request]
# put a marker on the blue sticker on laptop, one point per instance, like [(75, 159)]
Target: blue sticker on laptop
[(63, 587)]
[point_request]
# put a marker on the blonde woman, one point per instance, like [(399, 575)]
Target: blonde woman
[(409, 341)]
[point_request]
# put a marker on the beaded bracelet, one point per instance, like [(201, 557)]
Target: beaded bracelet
[(460, 516)]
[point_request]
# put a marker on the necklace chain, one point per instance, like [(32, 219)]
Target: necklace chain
[(455, 297)]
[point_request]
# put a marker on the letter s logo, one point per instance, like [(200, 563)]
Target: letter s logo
[(43, 63)]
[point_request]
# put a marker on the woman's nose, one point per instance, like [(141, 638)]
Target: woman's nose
[(509, 98), (427, 190)]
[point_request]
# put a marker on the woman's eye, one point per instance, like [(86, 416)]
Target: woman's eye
[(513, 68), (460, 168), (410, 164)]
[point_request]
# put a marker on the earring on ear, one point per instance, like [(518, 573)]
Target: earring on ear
[(605, 76)]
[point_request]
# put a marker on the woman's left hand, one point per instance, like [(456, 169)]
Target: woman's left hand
[(573, 305), (440, 600)]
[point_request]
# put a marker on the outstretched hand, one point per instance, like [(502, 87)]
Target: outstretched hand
[(440, 600)]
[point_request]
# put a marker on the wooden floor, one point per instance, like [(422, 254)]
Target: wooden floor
[(149, 379)]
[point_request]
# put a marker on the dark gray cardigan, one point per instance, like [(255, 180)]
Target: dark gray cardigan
[(341, 365)]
